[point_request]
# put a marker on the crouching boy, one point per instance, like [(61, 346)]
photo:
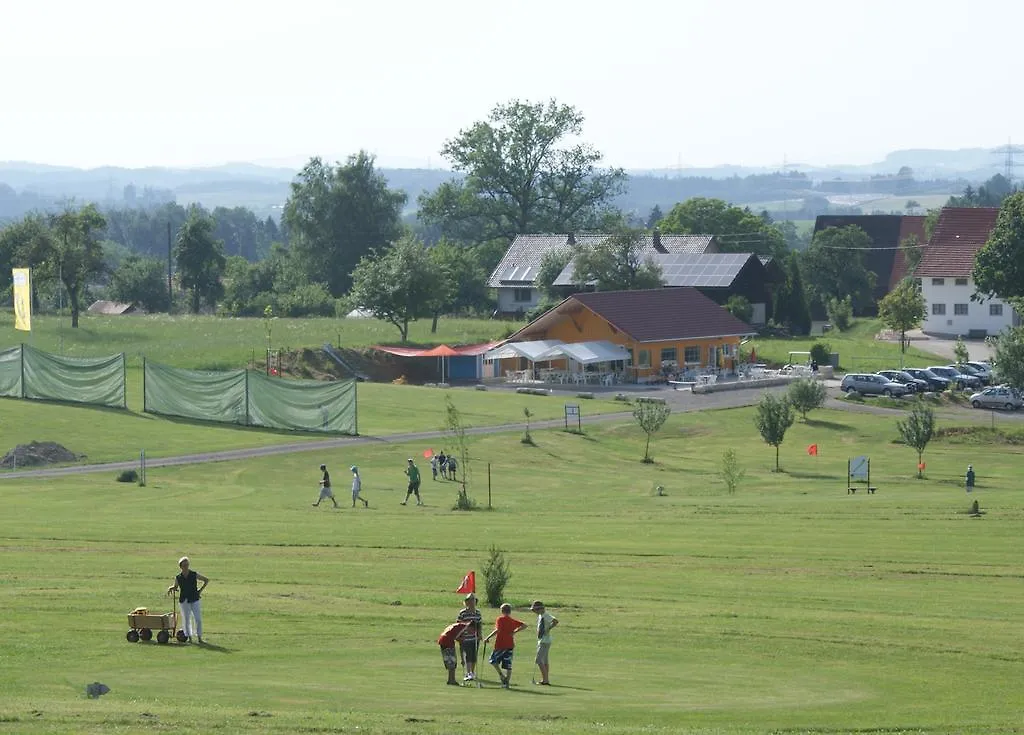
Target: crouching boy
[(446, 641)]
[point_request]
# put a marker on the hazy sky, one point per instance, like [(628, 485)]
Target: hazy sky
[(137, 83)]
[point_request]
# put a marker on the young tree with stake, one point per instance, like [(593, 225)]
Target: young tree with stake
[(774, 416), (917, 431), (651, 416)]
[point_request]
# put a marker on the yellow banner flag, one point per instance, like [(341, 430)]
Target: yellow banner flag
[(22, 298)]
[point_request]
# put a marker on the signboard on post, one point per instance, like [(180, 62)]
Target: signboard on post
[(572, 412)]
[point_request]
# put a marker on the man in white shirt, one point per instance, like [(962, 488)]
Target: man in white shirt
[(357, 485), (545, 623)]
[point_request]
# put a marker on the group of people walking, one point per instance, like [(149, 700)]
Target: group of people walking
[(467, 629), (446, 464), (327, 493)]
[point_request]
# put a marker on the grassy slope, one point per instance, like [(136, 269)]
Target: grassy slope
[(788, 606), (858, 349)]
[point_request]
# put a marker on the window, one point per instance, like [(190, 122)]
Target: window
[(691, 355), (938, 310), (643, 358), (729, 350), (668, 354), (960, 309), (995, 309), (522, 295), (938, 281), (961, 281)]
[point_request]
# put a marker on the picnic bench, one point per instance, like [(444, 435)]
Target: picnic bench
[(853, 490), (682, 384)]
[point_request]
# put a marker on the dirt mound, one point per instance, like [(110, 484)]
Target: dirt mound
[(380, 367), (36, 453)]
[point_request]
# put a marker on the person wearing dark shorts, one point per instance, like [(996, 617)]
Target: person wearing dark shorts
[(470, 641), (447, 643), (505, 628), (414, 482)]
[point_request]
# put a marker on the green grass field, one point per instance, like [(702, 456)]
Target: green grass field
[(789, 606), (858, 349)]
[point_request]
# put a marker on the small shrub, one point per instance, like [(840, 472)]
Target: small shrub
[(527, 439), (821, 353), (497, 574), (622, 397), (732, 473), (128, 476), (464, 502), (840, 313)]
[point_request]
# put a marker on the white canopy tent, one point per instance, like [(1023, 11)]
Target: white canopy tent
[(587, 353), (535, 351)]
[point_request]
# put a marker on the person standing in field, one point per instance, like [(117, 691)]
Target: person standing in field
[(452, 467), (505, 628), (447, 643), (442, 462), (545, 623), (433, 466), (357, 486), (470, 640), (413, 472), (187, 586), (325, 487)]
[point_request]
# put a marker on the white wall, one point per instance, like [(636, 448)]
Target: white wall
[(977, 311), (507, 303)]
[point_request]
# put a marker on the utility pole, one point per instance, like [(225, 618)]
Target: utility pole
[(170, 291), (1007, 152)]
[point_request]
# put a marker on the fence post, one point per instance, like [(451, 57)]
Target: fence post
[(488, 486), (124, 382), (143, 384), (246, 397), (22, 361), (142, 468), (355, 404)]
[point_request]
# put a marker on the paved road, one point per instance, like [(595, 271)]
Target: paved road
[(976, 348)]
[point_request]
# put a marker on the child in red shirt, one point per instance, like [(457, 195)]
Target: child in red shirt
[(446, 640), (505, 628)]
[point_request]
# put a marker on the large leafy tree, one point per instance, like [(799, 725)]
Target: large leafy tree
[(337, 214), (141, 281), (23, 244), (200, 260), (737, 229), (396, 284), (999, 265), (617, 263), (833, 267), (521, 174), (903, 309), (460, 283), (75, 255), (1009, 357)]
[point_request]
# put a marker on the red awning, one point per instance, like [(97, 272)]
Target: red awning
[(439, 351)]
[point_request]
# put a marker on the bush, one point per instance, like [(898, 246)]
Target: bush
[(732, 473), (497, 574), (310, 299), (821, 353), (128, 476), (464, 502), (806, 394)]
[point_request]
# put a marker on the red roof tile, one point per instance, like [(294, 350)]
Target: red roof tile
[(959, 235), (660, 314)]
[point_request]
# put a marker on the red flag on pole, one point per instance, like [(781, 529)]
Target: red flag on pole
[(428, 453), (813, 450), (468, 584)]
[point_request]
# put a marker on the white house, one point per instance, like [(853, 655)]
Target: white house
[(515, 277), (945, 276)]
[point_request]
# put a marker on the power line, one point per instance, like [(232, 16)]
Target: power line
[(1007, 151)]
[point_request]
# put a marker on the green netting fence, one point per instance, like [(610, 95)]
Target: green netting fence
[(26, 372), (250, 398)]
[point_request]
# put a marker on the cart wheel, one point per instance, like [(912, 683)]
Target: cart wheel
[(163, 636), (133, 636), (146, 634), (180, 635)]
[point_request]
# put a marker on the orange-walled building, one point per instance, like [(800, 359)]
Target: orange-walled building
[(678, 325)]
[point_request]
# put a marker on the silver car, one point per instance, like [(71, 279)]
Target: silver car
[(868, 384), (998, 396)]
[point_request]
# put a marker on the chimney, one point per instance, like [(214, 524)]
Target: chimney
[(570, 239), (656, 236)]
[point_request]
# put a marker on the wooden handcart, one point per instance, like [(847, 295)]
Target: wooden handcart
[(143, 624)]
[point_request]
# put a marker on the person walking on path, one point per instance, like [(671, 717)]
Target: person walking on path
[(505, 628), (357, 486), (447, 643), (413, 472), (470, 641), (325, 488), (545, 622), (186, 583)]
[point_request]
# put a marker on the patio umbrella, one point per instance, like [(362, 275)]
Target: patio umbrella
[(441, 351)]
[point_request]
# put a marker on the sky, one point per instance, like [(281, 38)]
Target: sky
[(661, 84)]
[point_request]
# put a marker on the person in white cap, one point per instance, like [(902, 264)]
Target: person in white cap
[(357, 485), (189, 590)]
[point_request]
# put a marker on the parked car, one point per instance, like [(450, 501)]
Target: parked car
[(984, 368), (869, 384), (916, 385), (967, 369), (955, 377), (998, 396), (935, 382)]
